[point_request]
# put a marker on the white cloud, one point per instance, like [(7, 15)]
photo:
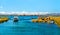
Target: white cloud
[(26, 13)]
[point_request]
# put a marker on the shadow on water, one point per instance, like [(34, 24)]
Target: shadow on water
[(16, 23)]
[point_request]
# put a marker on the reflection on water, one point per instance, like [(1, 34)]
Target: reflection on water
[(26, 27)]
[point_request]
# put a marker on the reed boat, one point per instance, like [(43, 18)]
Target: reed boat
[(15, 19)]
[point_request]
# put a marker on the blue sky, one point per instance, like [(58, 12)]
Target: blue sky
[(30, 5)]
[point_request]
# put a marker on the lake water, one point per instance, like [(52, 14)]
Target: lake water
[(26, 27)]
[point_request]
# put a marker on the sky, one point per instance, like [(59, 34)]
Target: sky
[(30, 5)]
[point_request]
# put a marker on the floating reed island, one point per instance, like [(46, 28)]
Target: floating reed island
[(49, 20), (4, 19)]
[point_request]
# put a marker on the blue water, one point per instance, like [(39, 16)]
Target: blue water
[(26, 27)]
